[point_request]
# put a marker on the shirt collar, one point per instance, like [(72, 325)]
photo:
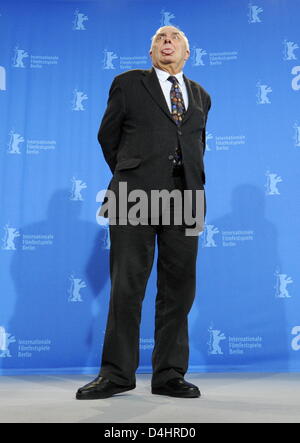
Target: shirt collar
[(163, 75)]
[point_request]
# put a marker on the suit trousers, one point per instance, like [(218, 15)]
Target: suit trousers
[(131, 261)]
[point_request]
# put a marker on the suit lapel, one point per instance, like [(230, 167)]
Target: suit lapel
[(152, 85), (191, 106)]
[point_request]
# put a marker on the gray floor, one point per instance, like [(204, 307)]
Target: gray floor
[(226, 398)]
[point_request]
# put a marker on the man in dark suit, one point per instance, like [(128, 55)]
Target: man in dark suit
[(153, 138)]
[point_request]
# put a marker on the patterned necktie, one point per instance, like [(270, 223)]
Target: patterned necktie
[(177, 102), (178, 110)]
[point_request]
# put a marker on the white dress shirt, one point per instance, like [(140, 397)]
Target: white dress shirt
[(166, 86)]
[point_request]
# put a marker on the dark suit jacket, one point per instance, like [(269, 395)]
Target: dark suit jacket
[(138, 135)]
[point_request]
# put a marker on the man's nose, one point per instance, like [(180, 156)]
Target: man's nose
[(167, 40)]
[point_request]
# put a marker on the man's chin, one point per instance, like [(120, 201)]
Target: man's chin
[(167, 62)]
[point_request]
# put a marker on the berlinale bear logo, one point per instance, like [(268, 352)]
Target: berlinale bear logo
[(5, 340)]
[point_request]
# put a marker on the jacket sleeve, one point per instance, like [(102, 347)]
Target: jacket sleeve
[(110, 131), (208, 106)]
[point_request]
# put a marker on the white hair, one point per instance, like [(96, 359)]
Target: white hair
[(180, 32)]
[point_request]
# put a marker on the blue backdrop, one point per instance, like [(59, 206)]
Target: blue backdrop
[(57, 61)]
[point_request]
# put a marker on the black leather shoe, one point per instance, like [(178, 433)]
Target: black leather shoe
[(101, 387), (177, 387)]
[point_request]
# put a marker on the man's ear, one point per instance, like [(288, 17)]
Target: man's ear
[(188, 53)]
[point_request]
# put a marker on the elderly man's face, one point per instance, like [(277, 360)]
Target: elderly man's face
[(169, 51)]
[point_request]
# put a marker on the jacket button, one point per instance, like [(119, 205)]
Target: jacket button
[(179, 132), (171, 157)]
